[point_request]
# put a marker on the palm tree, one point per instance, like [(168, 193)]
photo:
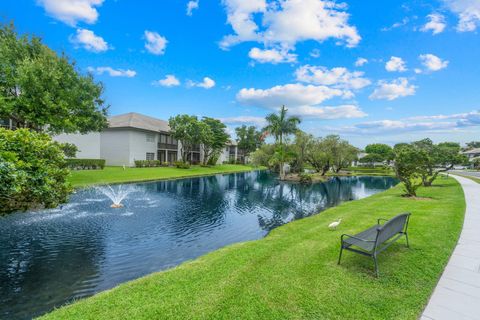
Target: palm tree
[(281, 125)]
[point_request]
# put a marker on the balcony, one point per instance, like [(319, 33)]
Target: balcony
[(169, 146)]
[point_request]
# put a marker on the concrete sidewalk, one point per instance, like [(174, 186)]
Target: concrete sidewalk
[(457, 295)]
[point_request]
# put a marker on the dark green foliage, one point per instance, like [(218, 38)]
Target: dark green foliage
[(148, 163), (33, 171), (69, 149), (249, 139), (214, 139), (305, 178), (410, 167), (85, 164), (379, 152), (182, 165), (372, 158), (43, 91)]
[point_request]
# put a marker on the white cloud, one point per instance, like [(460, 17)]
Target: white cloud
[(192, 5), (432, 62), (315, 53), (273, 56), (360, 62), (395, 64), (393, 90), (435, 123), (397, 24), (207, 83), (436, 24), (287, 22), (257, 121), (169, 81), (72, 11), (468, 12), (89, 41), (337, 77), (291, 95), (328, 113), (113, 72), (155, 43)]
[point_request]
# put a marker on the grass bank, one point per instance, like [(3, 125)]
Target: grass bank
[(292, 273), (83, 178)]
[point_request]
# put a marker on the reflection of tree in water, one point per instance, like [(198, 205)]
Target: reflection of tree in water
[(201, 203), (34, 279), (296, 201)]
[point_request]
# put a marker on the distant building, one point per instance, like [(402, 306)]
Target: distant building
[(133, 136), (472, 154)]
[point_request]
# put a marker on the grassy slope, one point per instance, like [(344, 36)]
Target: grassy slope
[(83, 178), (292, 273)]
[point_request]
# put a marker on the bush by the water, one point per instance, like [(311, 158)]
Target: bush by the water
[(148, 163), (305, 178), (182, 165), (85, 164), (33, 171)]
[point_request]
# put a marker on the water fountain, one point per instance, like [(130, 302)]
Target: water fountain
[(116, 194)]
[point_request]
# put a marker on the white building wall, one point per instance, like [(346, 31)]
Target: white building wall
[(139, 146), (115, 147), (88, 144)]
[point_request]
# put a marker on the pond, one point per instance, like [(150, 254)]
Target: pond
[(51, 257)]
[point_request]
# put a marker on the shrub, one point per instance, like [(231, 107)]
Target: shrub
[(147, 163), (85, 164), (305, 178), (182, 165), (33, 171)]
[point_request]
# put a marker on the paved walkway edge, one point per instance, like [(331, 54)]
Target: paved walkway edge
[(457, 294)]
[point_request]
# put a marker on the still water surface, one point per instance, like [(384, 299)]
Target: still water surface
[(51, 257)]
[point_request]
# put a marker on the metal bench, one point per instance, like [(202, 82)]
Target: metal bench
[(377, 238)]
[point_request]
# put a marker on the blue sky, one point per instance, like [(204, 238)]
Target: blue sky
[(371, 71)]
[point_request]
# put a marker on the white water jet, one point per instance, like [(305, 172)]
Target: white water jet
[(116, 195)]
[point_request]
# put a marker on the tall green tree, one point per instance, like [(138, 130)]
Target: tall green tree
[(214, 139), (43, 91), (319, 156), (248, 139), (279, 125), (440, 158), (301, 144), (410, 167), (382, 152), (189, 131)]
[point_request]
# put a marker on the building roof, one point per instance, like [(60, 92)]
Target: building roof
[(472, 151), (138, 121)]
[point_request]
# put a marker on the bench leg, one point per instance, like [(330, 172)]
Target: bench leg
[(340, 256), (406, 236), (376, 265)]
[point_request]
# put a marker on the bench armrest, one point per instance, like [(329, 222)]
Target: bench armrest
[(381, 219), (357, 238)]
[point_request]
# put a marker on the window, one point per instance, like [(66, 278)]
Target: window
[(150, 156), (150, 137), (163, 138)]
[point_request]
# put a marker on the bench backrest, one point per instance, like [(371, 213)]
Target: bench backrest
[(392, 227)]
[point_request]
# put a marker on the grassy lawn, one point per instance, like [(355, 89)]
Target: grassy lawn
[(84, 178), (293, 272), (469, 177), (378, 171)]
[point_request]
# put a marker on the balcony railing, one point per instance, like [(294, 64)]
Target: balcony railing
[(167, 146)]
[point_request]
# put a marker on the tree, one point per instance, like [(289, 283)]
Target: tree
[(410, 167), (263, 155), (248, 139), (300, 146), (214, 139), (472, 145), (33, 171), (42, 91), (189, 131), (280, 125), (439, 158), (343, 153), (318, 156), (372, 158), (382, 151)]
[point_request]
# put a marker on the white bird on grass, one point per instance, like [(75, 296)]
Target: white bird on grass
[(334, 225)]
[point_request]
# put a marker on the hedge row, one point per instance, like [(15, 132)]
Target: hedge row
[(85, 164), (150, 163)]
